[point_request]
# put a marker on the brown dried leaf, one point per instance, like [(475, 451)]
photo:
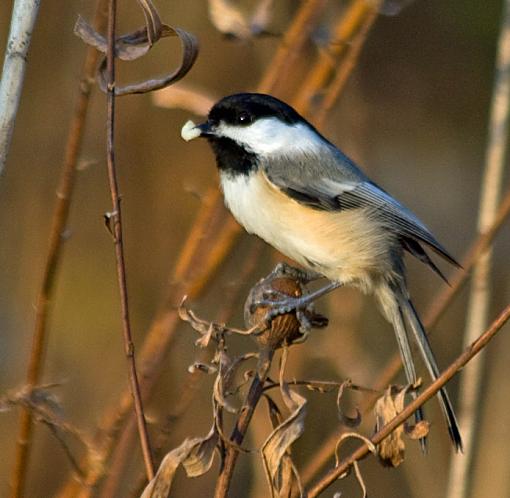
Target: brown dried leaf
[(391, 449), (419, 430), (274, 450), (194, 454), (152, 20), (133, 45), (276, 447)]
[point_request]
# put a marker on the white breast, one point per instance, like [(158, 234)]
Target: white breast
[(347, 246)]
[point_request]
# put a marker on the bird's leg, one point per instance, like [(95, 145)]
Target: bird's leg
[(302, 276), (288, 304)]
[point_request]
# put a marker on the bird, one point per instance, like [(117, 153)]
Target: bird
[(286, 183)]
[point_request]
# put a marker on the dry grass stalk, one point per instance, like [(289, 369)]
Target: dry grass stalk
[(24, 16), (56, 239), (343, 32), (480, 294)]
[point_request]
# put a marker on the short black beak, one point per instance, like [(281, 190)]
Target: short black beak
[(206, 129)]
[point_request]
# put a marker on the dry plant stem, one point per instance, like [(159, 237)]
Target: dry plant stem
[(345, 69), (117, 239), (24, 15), (189, 389), (293, 42), (479, 299), (435, 311), (56, 239), (239, 431), (473, 349), (321, 73)]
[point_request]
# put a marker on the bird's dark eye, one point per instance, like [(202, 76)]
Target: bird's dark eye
[(244, 118)]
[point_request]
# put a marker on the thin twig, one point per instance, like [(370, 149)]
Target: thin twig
[(24, 15), (351, 58), (58, 224), (239, 431), (118, 243), (293, 42), (472, 350), (480, 294), (346, 27), (435, 311)]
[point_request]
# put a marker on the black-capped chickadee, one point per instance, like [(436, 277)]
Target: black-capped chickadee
[(283, 181)]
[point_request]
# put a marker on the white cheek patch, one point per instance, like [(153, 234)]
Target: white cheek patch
[(190, 131), (270, 135)]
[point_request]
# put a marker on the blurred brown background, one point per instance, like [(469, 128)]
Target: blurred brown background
[(413, 115)]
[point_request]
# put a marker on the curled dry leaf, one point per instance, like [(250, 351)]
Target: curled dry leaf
[(206, 329), (194, 454), (345, 419), (224, 383), (359, 478), (391, 450), (275, 449), (351, 435), (133, 45)]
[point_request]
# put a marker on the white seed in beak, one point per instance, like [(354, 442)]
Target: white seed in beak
[(190, 131)]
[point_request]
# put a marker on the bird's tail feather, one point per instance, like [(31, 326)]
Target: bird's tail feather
[(407, 309), (407, 359)]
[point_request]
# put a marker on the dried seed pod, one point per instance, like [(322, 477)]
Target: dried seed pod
[(286, 328)]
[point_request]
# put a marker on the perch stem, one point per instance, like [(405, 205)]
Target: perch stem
[(239, 431), (471, 351)]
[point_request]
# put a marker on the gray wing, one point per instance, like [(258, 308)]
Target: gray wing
[(333, 182)]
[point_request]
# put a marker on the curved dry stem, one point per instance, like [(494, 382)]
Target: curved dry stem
[(118, 242), (470, 352), (239, 430)]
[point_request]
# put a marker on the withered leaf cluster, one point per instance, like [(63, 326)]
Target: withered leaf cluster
[(134, 45)]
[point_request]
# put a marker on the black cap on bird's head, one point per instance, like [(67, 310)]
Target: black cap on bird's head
[(244, 127), (242, 109)]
